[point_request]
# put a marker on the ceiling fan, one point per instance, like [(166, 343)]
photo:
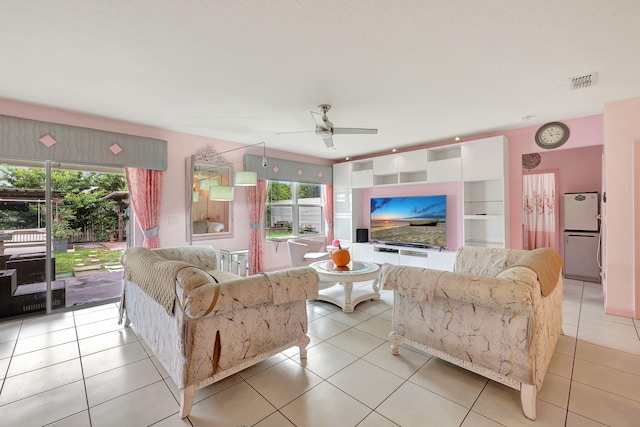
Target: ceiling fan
[(325, 129)]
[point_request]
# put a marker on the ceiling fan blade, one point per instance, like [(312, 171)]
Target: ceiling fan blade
[(319, 120), (328, 141), (355, 131), (299, 131)]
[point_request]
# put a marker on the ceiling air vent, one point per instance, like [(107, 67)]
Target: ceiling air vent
[(581, 82)]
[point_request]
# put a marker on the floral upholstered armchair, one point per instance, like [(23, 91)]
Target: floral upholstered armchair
[(499, 314)]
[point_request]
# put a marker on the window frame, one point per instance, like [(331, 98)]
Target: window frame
[(295, 212)]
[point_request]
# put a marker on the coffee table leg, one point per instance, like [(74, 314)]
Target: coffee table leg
[(348, 287), (376, 289)]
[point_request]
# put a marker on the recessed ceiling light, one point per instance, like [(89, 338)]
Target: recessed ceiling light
[(394, 150), (347, 158), (457, 138)]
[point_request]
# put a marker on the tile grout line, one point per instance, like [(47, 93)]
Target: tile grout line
[(573, 361)]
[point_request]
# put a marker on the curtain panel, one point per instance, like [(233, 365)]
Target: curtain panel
[(257, 199), (539, 211), (145, 189)]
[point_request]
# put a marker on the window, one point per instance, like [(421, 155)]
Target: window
[(293, 209)]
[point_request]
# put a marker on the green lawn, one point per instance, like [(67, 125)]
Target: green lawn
[(67, 261)]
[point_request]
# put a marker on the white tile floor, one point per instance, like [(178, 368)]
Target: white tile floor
[(82, 369)]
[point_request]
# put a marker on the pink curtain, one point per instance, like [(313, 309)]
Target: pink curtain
[(327, 202), (257, 198), (539, 211), (145, 191)]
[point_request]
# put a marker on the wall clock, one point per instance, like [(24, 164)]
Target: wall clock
[(552, 135)]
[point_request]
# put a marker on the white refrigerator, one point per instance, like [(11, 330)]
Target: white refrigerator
[(581, 236)]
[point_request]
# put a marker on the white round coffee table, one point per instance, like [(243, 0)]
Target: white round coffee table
[(336, 284)]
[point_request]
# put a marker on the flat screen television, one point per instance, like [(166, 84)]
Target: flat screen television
[(410, 221)]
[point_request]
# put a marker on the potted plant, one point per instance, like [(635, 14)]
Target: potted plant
[(61, 231)]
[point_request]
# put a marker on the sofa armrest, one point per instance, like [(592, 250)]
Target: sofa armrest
[(514, 293), (491, 292), (209, 298)]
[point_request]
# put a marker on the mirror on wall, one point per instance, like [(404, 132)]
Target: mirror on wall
[(208, 214)]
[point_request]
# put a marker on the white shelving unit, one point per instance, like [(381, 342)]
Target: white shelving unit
[(481, 165), (486, 208), (362, 174), (444, 163), (347, 203), (402, 255)]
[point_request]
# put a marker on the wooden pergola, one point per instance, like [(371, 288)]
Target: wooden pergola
[(18, 199), (122, 199)]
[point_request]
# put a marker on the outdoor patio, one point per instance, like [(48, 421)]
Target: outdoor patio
[(92, 278)]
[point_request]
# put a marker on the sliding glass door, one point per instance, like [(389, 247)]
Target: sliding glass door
[(62, 232)]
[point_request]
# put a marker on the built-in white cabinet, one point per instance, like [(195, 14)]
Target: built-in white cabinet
[(444, 164), (385, 170), (481, 165), (484, 158), (362, 174), (485, 166), (413, 161), (412, 167), (385, 165), (400, 255), (347, 203), (438, 164), (362, 179), (342, 175)]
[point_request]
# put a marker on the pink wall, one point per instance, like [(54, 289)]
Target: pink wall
[(577, 170), (180, 146), (580, 168), (618, 126), (622, 129), (584, 132)]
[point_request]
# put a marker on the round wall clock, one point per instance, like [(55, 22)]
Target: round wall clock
[(552, 135)]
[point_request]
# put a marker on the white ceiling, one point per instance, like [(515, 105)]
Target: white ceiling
[(420, 71)]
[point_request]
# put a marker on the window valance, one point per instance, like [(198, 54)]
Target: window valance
[(288, 170), (33, 139)]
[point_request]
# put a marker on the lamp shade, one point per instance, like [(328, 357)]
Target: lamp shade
[(221, 192), (205, 184), (245, 178)]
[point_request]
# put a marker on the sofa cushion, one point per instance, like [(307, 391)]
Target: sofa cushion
[(547, 265), (481, 261)]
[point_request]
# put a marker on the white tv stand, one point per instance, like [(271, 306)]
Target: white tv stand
[(404, 255)]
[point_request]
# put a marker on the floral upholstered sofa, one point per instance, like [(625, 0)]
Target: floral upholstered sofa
[(499, 314), (205, 324)]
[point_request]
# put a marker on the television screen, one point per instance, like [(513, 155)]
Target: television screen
[(419, 221)]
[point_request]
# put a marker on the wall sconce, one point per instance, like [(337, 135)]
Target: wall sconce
[(245, 178), (240, 178), (222, 193)]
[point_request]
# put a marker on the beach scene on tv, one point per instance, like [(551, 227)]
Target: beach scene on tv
[(419, 221)]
